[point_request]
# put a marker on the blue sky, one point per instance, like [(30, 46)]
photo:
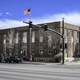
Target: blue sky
[(12, 10)]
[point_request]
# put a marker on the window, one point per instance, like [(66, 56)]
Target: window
[(24, 37), (16, 37), (65, 45), (49, 40), (41, 38), (33, 37)]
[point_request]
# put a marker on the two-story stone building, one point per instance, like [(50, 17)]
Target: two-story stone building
[(44, 45)]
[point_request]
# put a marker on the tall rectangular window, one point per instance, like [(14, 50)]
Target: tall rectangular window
[(17, 37), (41, 38), (49, 40), (33, 37), (24, 37)]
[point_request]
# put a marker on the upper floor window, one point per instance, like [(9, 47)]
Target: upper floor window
[(17, 37), (25, 37), (33, 37), (41, 38)]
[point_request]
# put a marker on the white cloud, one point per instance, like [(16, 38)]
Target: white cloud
[(10, 23), (7, 13), (73, 18)]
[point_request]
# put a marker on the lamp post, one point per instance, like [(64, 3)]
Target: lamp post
[(63, 40), (30, 38), (27, 12)]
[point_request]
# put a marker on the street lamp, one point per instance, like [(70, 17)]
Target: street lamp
[(27, 12), (63, 40), (30, 38)]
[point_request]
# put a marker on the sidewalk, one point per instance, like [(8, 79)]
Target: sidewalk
[(72, 63), (43, 63), (35, 63)]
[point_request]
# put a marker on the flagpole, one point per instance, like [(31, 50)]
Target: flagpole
[(30, 35), (27, 12)]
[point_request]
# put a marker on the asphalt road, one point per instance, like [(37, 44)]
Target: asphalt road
[(39, 71)]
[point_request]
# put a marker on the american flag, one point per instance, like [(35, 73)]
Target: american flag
[(27, 11)]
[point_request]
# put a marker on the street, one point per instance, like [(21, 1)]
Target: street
[(39, 71)]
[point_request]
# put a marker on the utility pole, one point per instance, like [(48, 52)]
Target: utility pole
[(63, 41), (27, 12), (30, 38)]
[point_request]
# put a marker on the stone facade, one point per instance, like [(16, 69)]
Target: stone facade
[(45, 45)]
